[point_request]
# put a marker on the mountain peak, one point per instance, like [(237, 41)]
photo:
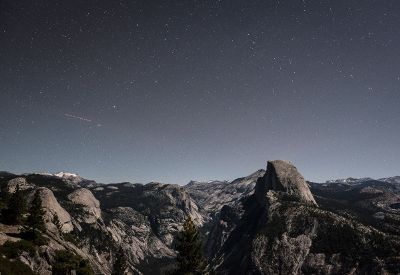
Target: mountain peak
[(66, 175), (283, 176)]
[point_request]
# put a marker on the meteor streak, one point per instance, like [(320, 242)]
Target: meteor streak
[(77, 117)]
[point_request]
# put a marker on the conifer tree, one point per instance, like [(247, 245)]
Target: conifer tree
[(36, 217), (16, 208), (190, 259)]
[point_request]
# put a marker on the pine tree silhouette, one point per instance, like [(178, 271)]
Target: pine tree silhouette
[(190, 259), (36, 217), (16, 208)]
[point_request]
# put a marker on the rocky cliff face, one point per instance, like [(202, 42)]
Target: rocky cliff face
[(96, 221), (245, 247), (282, 176), (270, 222), (52, 209), (283, 231), (90, 206)]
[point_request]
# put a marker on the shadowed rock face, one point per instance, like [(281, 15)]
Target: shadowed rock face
[(282, 176)]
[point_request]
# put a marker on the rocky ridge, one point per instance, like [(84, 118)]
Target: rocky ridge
[(270, 222)]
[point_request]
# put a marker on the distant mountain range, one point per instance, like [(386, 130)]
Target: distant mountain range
[(270, 222)]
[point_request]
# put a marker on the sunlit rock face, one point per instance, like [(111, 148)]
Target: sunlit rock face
[(52, 209), (90, 205)]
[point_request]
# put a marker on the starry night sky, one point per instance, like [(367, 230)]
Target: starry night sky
[(179, 90)]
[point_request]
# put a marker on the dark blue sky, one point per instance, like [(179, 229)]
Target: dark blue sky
[(179, 90)]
